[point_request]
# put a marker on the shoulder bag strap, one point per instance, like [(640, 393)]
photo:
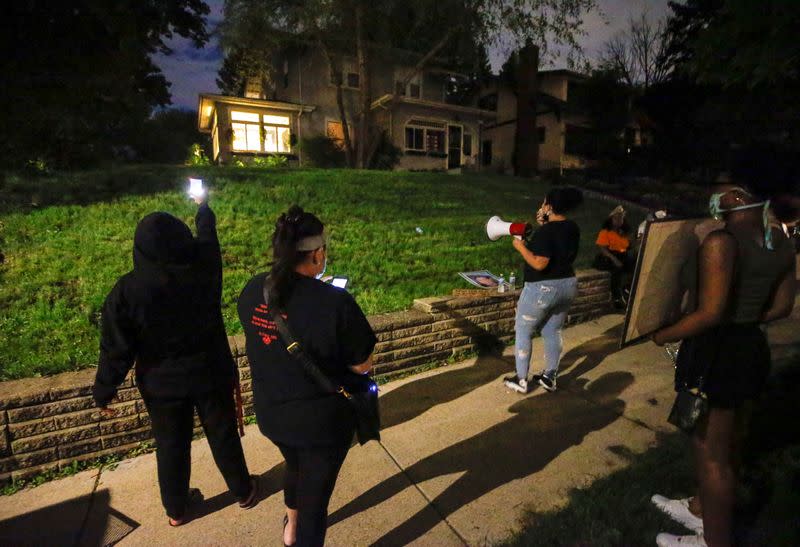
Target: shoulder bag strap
[(296, 351)]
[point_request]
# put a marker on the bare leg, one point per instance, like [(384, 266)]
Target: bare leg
[(713, 445)]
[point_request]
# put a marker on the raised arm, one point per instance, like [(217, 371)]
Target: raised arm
[(716, 270)]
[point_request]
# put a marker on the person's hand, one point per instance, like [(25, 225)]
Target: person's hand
[(106, 412), (657, 338), (542, 213), (518, 244), (201, 199)]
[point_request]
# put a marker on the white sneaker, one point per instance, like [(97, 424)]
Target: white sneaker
[(520, 385), (671, 540), (678, 510)]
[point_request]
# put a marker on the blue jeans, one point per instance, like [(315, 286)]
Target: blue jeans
[(542, 306)]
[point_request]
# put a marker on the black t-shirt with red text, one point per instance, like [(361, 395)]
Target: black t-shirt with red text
[(326, 321)]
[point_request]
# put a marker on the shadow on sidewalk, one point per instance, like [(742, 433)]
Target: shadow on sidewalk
[(415, 398), (270, 482), (85, 520), (538, 431)]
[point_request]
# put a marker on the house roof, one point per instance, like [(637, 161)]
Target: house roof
[(563, 72), (208, 101), (387, 99)]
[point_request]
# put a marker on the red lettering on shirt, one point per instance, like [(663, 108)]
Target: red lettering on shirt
[(265, 327)]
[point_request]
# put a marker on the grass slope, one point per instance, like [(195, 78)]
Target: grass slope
[(63, 255)]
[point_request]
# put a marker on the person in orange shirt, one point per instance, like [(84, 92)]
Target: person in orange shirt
[(614, 244)]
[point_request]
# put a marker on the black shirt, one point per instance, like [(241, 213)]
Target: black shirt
[(326, 321), (557, 241)]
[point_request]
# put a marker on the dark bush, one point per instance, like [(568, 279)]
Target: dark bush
[(322, 152)]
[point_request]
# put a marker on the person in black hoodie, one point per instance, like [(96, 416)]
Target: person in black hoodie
[(165, 315)]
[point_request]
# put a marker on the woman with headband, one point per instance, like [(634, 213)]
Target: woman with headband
[(312, 428)]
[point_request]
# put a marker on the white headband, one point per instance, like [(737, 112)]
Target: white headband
[(312, 243)]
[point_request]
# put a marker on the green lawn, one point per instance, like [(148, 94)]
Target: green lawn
[(64, 253)]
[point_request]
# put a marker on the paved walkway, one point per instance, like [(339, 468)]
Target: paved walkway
[(461, 459)]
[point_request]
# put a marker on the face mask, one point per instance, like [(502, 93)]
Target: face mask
[(324, 267), (717, 211)]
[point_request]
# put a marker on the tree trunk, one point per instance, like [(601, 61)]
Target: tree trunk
[(364, 80), (526, 145), (335, 67)]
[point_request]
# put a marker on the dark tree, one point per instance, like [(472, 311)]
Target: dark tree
[(78, 78)]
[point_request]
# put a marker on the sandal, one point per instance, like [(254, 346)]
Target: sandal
[(194, 496), (252, 499)]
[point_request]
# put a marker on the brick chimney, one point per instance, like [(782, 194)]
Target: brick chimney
[(526, 142), (254, 88)]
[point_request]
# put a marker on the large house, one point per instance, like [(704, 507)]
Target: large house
[(563, 128), (418, 118), (432, 133)]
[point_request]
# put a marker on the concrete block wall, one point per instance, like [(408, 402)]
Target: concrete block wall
[(48, 423)]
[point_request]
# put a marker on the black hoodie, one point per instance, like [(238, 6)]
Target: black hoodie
[(165, 315)]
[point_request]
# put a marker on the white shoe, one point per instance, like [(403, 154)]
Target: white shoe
[(678, 510), (520, 385), (671, 540)]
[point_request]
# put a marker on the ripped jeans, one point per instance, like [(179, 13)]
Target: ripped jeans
[(542, 306)]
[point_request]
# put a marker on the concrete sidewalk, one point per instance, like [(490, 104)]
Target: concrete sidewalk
[(461, 459)]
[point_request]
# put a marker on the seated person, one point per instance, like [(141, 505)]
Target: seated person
[(614, 243)]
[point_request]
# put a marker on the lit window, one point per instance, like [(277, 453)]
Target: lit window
[(244, 116), (276, 120), (246, 137), (253, 132), (284, 139), (270, 139)]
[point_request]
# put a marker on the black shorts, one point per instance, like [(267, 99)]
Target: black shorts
[(737, 358)]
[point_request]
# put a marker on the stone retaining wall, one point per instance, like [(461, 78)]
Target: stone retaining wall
[(47, 423)]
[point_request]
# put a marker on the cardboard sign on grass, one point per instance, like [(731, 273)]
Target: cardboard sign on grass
[(665, 280)]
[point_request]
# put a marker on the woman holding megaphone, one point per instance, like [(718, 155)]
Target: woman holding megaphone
[(550, 286)]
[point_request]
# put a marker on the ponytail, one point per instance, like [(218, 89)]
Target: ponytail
[(291, 227)]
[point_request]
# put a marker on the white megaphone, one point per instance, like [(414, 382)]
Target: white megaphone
[(496, 228)]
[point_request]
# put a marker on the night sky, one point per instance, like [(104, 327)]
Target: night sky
[(192, 71)]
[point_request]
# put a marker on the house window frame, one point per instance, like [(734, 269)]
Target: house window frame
[(263, 126), (399, 76), (420, 124), (349, 67), (339, 143)]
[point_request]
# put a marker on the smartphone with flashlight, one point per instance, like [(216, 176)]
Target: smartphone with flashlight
[(196, 189), (340, 282)]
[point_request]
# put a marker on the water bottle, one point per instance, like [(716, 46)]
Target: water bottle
[(501, 284), (512, 281)]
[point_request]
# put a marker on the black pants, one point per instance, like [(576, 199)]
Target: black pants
[(311, 474), (621, 277), (172, 421)]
